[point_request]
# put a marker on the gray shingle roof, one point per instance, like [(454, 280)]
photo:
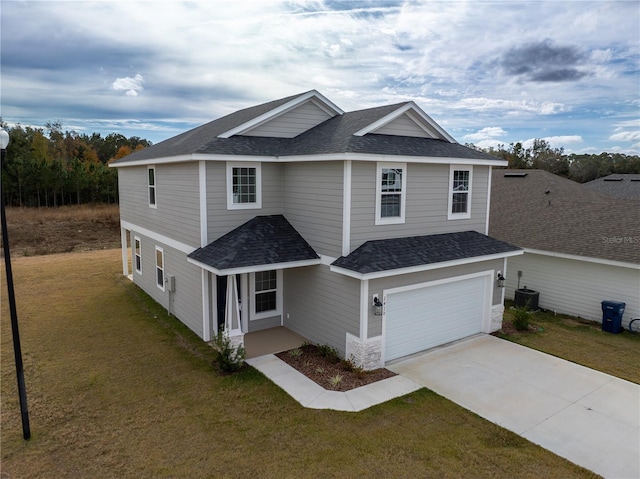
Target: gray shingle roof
[(617, 186), (547, 212), (263, 240), (397, 253), (335, 135)]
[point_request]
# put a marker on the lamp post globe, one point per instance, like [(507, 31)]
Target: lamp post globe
[(4, 139)]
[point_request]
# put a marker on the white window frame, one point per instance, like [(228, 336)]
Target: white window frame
[(379, 193), (160, 269), (466, 214), (231, 205), (153, 187), (137, 254), (252, 294)]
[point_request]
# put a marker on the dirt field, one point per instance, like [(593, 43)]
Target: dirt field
[(40, 231)]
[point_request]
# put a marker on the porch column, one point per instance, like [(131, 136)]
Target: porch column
[(125, 257)]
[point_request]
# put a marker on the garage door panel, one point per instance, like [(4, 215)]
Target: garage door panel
[(426, 317)]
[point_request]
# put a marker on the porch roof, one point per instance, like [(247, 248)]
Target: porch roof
[(260, 244), (423, 252)]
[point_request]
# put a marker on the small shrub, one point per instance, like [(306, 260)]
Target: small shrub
[(320, 370), (521, 318), (295, 353), (328, 352), (335, 380), (228, 358), (347, 365)]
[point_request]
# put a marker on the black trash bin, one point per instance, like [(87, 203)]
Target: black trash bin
[(612, 312)]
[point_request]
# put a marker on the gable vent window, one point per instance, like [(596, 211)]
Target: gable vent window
[(460, 192), (391, 193), (151, 181), (244, 186)]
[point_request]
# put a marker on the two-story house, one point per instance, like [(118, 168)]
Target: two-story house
[(363, 230)]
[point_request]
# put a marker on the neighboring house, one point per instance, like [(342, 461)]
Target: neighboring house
[(581, 247), (617, 186), (294, 213)]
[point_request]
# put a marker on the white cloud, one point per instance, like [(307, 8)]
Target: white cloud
[(555, 141), (131, 85), (487, 133), (626, 136)]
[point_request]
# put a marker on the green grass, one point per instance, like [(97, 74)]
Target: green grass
[(117, 388), (582, 342)]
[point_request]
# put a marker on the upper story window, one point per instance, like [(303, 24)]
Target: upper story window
[(160, 267), (391, 192), (137, 254), (244, 186), (460, 178), (151, 179)]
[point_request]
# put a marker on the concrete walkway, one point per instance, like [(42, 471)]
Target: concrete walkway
[(314, 396), (585, 416)]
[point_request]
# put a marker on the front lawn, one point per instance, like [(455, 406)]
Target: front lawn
[(117, 388), (581, 342)]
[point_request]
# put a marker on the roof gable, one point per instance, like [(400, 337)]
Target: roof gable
[(407, 120), (310, 107)]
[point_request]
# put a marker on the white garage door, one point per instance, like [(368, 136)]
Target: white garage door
[(423, 318)]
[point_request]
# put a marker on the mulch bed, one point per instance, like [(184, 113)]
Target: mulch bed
[(322, 368)]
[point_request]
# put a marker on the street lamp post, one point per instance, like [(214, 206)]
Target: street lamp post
[(26, 431)]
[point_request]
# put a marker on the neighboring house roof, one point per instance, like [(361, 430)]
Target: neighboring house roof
[(262, 241), (401, 253), (352, 132), (538, 210), (617, 186)]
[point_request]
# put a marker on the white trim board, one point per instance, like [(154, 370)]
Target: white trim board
[(256, 268), (437, 160), (586, 259), (182, 247)]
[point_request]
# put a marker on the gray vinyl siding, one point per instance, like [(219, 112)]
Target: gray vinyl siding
[(177, 212), (220, 220), (265, 323), (376, 286), (312, 202), (403, 126), (575, 287), (292, 123), (186, 302), (321, 306), (427, 203)]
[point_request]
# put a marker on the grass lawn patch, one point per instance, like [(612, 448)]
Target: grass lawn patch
[(580, 341), (118, 389)]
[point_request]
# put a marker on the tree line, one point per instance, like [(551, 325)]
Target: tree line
[(580, 168), (52, 167)]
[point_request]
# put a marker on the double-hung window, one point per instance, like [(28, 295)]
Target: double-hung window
[(160, 267), (391, 192), (151, 182), (460, 178), (137, 254), (244, 186), (266, 292)]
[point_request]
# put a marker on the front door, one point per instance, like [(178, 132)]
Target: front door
[(221, 293)]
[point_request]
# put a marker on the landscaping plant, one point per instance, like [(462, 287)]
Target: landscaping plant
[(229, 358)]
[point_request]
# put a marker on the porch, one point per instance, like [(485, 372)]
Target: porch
[(271, 341)]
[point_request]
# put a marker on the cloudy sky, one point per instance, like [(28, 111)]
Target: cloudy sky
[(490, 72)]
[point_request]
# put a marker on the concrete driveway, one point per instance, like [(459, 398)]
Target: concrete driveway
[(585, 416)]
